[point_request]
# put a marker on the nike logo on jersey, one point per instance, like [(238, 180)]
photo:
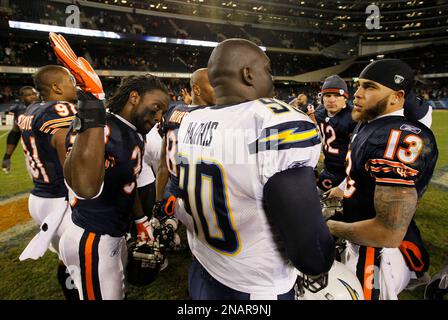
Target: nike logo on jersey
[(200, 133)]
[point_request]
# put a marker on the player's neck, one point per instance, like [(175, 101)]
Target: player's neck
[(227, 100), (332, 114), (393, 107), (196, 101), (125, 113)]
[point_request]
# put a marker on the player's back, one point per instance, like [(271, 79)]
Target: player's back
[(390, 151), (17, 110), (227, 154), (38, 124)]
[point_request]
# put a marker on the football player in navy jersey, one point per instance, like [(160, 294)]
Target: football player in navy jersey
[(389, 165), (44, 127), (202, 94), (336, 126), (103, 163), (28, 95)]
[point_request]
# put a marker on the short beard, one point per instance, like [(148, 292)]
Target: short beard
[(368, 114)]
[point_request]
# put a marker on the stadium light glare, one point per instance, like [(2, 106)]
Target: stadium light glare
[(66, 30), (108, 34)]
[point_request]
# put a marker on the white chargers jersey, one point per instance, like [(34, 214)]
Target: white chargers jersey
[(153, 148), (226, 154)]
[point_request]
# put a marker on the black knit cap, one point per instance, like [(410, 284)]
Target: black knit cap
[(335, 84), (392, 73)]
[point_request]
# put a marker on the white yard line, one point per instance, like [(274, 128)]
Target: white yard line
[(17, 230), (1, 136), (15, 198)]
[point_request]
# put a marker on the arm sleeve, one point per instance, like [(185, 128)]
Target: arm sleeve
[(152, 149), (146, 176), (13, 137), (181, 213), (147, 195), (292, 205)]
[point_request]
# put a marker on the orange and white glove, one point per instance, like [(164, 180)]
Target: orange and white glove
[(145, 231), (81, 69)]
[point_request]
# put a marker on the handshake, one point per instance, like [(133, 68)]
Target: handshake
[(330, 205), (162, 226)]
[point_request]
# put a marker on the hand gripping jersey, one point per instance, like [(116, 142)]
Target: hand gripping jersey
[(336, 132), (39, 122), (389, 151), (110, 212), (17, 110), (226, 156)]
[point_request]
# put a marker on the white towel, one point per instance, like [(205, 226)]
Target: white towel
[(41, 241)]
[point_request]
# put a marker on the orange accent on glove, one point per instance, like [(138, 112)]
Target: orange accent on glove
[(169, 206), (144, 230), (81, 69)]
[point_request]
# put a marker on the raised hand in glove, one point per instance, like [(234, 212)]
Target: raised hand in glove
[(81, 69)]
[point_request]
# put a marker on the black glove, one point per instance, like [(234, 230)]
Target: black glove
[(330, 206), (6, 163), (91, 112), (164, 209)]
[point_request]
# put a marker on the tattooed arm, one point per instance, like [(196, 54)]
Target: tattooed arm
[(394, 206)]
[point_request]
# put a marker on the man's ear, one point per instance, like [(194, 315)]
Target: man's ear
[(196, 90), (134, 98), (398, 95), (247, 75), (56, 88), (401, 94)]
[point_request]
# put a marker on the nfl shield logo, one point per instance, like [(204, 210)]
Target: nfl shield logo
[(398, 79)]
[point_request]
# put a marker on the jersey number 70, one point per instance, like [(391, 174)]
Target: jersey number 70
[(209, 204)]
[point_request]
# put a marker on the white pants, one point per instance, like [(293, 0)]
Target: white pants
[(390, 279), (97, 263), (43, 209)]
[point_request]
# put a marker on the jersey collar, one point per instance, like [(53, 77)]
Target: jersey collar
[(125, 121), (399, 113)]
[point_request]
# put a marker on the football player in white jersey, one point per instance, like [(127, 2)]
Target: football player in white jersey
[(249, 196)]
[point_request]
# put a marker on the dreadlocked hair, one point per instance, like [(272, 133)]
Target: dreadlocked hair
[(142, 84)]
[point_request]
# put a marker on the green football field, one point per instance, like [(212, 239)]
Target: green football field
[(37, 279)]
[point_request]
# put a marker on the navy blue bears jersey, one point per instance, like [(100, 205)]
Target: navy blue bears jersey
[(336, 132), (17, 110), (170, 126), (38, 124), (110, 212), (390, 151)]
